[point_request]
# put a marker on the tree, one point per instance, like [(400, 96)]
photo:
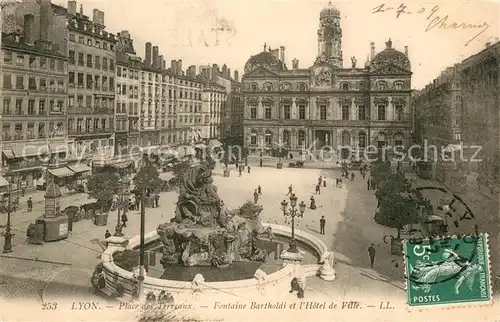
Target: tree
[(103, 186), (380, 169), (398, 203), (147, 178), (179, 170)]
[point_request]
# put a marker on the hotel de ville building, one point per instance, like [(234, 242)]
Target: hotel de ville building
[(328, 104)]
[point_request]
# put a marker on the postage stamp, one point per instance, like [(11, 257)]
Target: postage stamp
[(448, 271)]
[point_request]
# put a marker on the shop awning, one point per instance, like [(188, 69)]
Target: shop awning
[(3, 182), (8, 153), (79, 168), (61, 172), (121, 165), (30, 151), (214, 143)]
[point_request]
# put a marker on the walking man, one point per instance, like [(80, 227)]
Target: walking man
[(318, 189), (322, 223), (30, 204), (259, 190), (157, 200), (248, 169), (290, 190), (107, 234), (239, 172), (368, 184), (255, 196), (124, 219), (371, 253)]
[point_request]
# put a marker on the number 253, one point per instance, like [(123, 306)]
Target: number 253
[(49, 306)]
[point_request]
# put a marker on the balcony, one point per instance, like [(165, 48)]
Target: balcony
[(90, 131)]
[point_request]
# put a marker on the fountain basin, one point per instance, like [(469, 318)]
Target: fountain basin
[(126, 282)]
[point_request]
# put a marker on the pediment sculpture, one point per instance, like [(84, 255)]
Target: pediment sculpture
[(324, 77)]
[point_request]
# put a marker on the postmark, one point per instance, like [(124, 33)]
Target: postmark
[(448, 271)]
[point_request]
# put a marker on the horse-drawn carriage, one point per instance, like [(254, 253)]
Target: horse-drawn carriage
[(296, 164)]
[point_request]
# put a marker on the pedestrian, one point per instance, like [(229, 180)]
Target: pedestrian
[(318, 191), (352, 176), (124, 219), (322, 223), (260, 163), (255, 196), (320, 180), (237, 165), (324, 183), (157, 200), (107, 234), (337, 182), (239, 172), (290, 190), (30, 204), (363, 174), (371, 253), (259, 190), (248, 169), (368, 184), (312, 205)]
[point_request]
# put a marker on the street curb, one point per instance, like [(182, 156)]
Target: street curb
[(36, 259)]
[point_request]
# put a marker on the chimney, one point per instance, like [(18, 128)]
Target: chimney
[(147, 59), (46, 19), (29, 28), (95, 15), (372, 50), (406, 51), (155, 56), (160, 62), (163, 64), (282, 54), (71, 7), (191, 72), (236, 76), (81, 9), (101, 18), (173, 66), (179, 66), (215, 72), (224, 70), (228, 74)]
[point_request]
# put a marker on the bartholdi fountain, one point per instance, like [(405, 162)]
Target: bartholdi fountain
[(204, 236)]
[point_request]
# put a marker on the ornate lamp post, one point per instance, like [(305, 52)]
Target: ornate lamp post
[(7, 246), (292, 212), (124, 185)]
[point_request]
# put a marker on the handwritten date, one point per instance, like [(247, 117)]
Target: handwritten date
[(435, 19)]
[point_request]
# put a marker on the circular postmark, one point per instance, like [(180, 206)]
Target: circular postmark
[(443, 255)]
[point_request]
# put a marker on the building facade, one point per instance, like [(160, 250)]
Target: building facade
[(189, 109), (438, 108), (33, 93), (327, 104), (128, 69), (209, 122), (91, 83)]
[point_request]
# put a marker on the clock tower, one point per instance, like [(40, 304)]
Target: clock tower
[(330, 37)]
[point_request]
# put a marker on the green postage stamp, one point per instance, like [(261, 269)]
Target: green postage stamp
[(448, 270)]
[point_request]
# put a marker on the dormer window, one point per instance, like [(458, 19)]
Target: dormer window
[(345, 86), (381, 85), (398, 85), (253, 87), (268, 87), (302, 87)]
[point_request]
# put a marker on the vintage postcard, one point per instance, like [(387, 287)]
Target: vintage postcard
[(249, 161)]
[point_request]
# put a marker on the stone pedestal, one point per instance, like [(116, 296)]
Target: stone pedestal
[(117, 241), (291, 258), (327, 272)]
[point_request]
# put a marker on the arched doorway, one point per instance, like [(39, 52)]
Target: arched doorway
[(346, 145), (322, 139)]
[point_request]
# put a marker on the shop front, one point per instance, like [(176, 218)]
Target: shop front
[(24, 165), (63, 176)]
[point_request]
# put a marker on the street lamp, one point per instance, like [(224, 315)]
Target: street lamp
[(124, 184), (292, 213), (7, 246)]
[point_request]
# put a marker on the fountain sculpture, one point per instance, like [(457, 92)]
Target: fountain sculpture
[(204, 232)]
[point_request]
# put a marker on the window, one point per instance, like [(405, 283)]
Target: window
[(89, 41), (398, 85), (362, 140), (322, 112), (253, 111), (268, 139), (71, 57), (345, 86), (32, 83), (71, 80), (7, 57), (268, 87), (7, 81), (43, 84), (81, 60), (72, 37), (81, 40), (302, 138), (286, 111), (89, 81), (381, 85), (361, 112), (381, 140), (286, 138), (253, 138), (20, 59), (41, 107), (97, 61), (19, 82), (267, 112), (19, 106), (381, 112), (32, 61), (302, 87), (345, 112), (112, 66), (31, 107), (104, 63), (398, 141), (80, 79), (118, 71), (52, 64), (71, 100), (328, 48), (399, 112), (6, 106), (89, 60)]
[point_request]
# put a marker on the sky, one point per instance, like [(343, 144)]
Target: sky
[(202, 32)]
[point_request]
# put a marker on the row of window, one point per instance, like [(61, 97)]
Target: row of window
[(92, 81), (126, 72), (22, 106), (33, 61), (31, 130), (82, 125), (92, 42), (97, 62), (133, 108), (33, 83), (345, 138), (380, 85), (90, 100), (345, 115), (133, 91)]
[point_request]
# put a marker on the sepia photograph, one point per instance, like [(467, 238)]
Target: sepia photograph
[(175, 160)]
